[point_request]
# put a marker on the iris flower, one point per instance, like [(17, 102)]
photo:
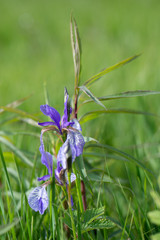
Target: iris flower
[(72, 148), (38, 198)]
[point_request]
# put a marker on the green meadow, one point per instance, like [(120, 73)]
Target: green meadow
[(122, 165)]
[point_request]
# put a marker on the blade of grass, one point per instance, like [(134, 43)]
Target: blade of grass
[(19, 112), (16, 151), (7, 227), (15, 103), (10, 189), (109, 69), (94, 114), (89, 94), (121, 153), (129, 94)]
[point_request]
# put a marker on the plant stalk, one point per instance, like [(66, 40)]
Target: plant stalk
[(70, 205)]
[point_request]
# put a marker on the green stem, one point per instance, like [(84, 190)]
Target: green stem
[(70, 205), (78, 188)]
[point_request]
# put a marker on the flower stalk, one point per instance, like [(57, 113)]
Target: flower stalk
[(78, 187), (70, 204)]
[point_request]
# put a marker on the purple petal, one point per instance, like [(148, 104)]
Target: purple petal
[(63, 154), (57, 177), (38, 199), (76, 124), (73, 177), (65, 123), (65, 117), (61, 157), (44, 178), (76, 142), (52, 113), (46, 159), (47, 124), (72, 202)]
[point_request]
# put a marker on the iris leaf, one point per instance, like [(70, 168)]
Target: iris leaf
[(15, 104), (88, 93), (109, 69), (94, 114), (119, 152), (16, 151), (129, 94), (7, 227), (19, 112)]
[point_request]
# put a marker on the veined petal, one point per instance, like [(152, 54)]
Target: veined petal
[(38, 199), (65, 116), (76, 142), (46, 157), (47, 160), (44, 178), (57, 176), (64, 153), (47, 123), (73, 177), (61, 158), (52, 113), (76, 124)]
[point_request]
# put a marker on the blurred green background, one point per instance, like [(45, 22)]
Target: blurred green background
[(35, 48)]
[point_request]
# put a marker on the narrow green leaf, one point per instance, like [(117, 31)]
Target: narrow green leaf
[(2, 208), (15, 104), (78, 223), (19, 112), (97, 178), (79, 163), (103, 155), (10, 189), (76, 50), (94, 114), (129, 94), (109, 69), (88, 93), (16, 151), (78, 187), (119, 152), (7, 227)]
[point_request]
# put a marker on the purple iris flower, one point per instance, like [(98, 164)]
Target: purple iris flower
[(38, 199), (55, 116), (72, 148), (73, 127)]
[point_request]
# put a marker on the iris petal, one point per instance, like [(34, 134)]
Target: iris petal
[(46, 157), (52, 113), (46, 124), (76, 124), (76, 142), (44, 178), (38, 199)]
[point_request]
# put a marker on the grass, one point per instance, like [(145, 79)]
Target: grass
[(35, 48)]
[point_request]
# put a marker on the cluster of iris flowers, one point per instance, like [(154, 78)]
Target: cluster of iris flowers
[(72, 147)]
